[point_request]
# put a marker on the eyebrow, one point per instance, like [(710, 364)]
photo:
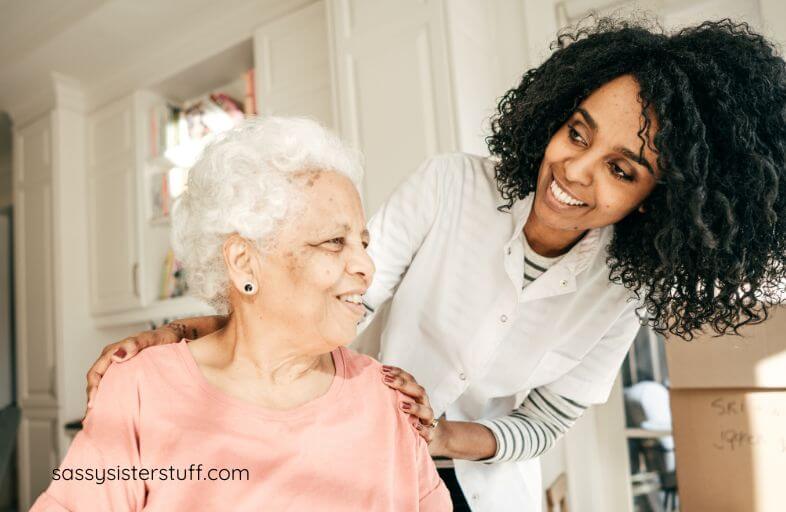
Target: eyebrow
[(346, 228), (636, 158), (590, 121), (625, 151)]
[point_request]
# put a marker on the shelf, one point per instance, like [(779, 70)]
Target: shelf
[(179, 307), (644, 433)]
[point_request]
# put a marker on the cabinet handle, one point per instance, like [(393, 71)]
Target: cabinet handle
[(134, 273)]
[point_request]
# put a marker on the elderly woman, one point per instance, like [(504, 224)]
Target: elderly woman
[(270, 412)]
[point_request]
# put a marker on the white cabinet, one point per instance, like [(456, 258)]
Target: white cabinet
[(35, 313), (34, 265), (127, 248), (112, 208), (414, 79), (292, 66)]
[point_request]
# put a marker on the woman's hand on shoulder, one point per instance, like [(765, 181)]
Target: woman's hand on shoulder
[(124, 350), (418, 406)]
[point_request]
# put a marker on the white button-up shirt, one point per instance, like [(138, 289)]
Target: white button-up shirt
[(459, 321)]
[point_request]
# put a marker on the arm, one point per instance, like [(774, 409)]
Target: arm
[(399, 227), (197, 327), (432, 493), (190, 328), (526, 433), (533, 428), (547, 412), (109, 440), (550, 411)]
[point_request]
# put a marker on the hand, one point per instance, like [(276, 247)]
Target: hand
[(419, 406), (123, 351)]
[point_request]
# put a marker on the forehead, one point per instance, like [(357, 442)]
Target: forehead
[(617, 110), (329, 199)]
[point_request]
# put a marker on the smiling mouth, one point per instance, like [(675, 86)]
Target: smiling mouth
[(562, 196), (353, 302)]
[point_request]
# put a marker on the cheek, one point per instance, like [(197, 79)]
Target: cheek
[(618, 199), (320, 273)]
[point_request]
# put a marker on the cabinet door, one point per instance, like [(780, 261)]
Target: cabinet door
[(37, 453), (112, 209), (292, 66), (393, 86), (33, 246)]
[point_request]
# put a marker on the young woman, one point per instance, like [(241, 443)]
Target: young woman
[(636, 175)]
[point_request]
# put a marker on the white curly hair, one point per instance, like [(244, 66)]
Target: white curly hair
[(242, 184)]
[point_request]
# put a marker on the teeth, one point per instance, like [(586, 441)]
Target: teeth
[(563, 196), (354, 299)]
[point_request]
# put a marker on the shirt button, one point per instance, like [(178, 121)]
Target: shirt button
[(462, 376), (475, 497), (563, 283), (508, 251), (503, 318)]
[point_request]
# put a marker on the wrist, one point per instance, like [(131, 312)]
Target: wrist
[(171, 332), (440, 443)]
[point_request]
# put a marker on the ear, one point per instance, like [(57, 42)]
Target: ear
[(240, 257)]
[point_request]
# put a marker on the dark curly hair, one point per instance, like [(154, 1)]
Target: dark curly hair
[(710, 248)]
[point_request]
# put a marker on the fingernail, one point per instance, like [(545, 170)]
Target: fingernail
[(406, 406), (120, 352), (387, 378)]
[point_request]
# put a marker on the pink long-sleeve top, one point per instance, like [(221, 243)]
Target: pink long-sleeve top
[(351, 449)]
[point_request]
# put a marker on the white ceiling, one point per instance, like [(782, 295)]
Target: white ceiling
[(114, 46)]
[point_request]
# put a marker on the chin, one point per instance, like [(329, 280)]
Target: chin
[(341, 339)]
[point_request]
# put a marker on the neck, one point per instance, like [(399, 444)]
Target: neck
[(547, 241), (267, 350)]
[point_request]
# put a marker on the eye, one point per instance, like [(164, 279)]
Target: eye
[(618, 172), (575, 136), (335, 242)]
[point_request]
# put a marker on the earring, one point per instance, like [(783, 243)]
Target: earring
[(249, 288), (642, 209)]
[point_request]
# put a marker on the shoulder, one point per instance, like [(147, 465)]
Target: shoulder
[(139, 368), (366, 372), (463, 176), (358, 365)]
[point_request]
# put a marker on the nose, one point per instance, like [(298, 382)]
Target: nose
[(580, 169), (360, 264)]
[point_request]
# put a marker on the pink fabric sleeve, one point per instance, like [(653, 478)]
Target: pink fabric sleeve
[(434, 496), (108, 443)]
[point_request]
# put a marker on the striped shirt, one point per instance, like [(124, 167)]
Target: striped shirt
[(544, 416), (534, 263)]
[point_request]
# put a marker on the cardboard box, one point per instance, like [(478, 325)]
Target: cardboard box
[(730, 450), (756, 359), (728, 402)]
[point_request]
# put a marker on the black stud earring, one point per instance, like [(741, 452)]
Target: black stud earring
[(249, 288)]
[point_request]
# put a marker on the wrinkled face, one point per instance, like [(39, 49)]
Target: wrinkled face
[(591, 175), (313, 278)]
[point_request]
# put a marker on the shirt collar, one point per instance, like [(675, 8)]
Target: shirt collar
[(580, 255)]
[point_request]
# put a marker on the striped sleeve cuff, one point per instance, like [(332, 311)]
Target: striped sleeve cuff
[(499, 437), (533, 428)]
